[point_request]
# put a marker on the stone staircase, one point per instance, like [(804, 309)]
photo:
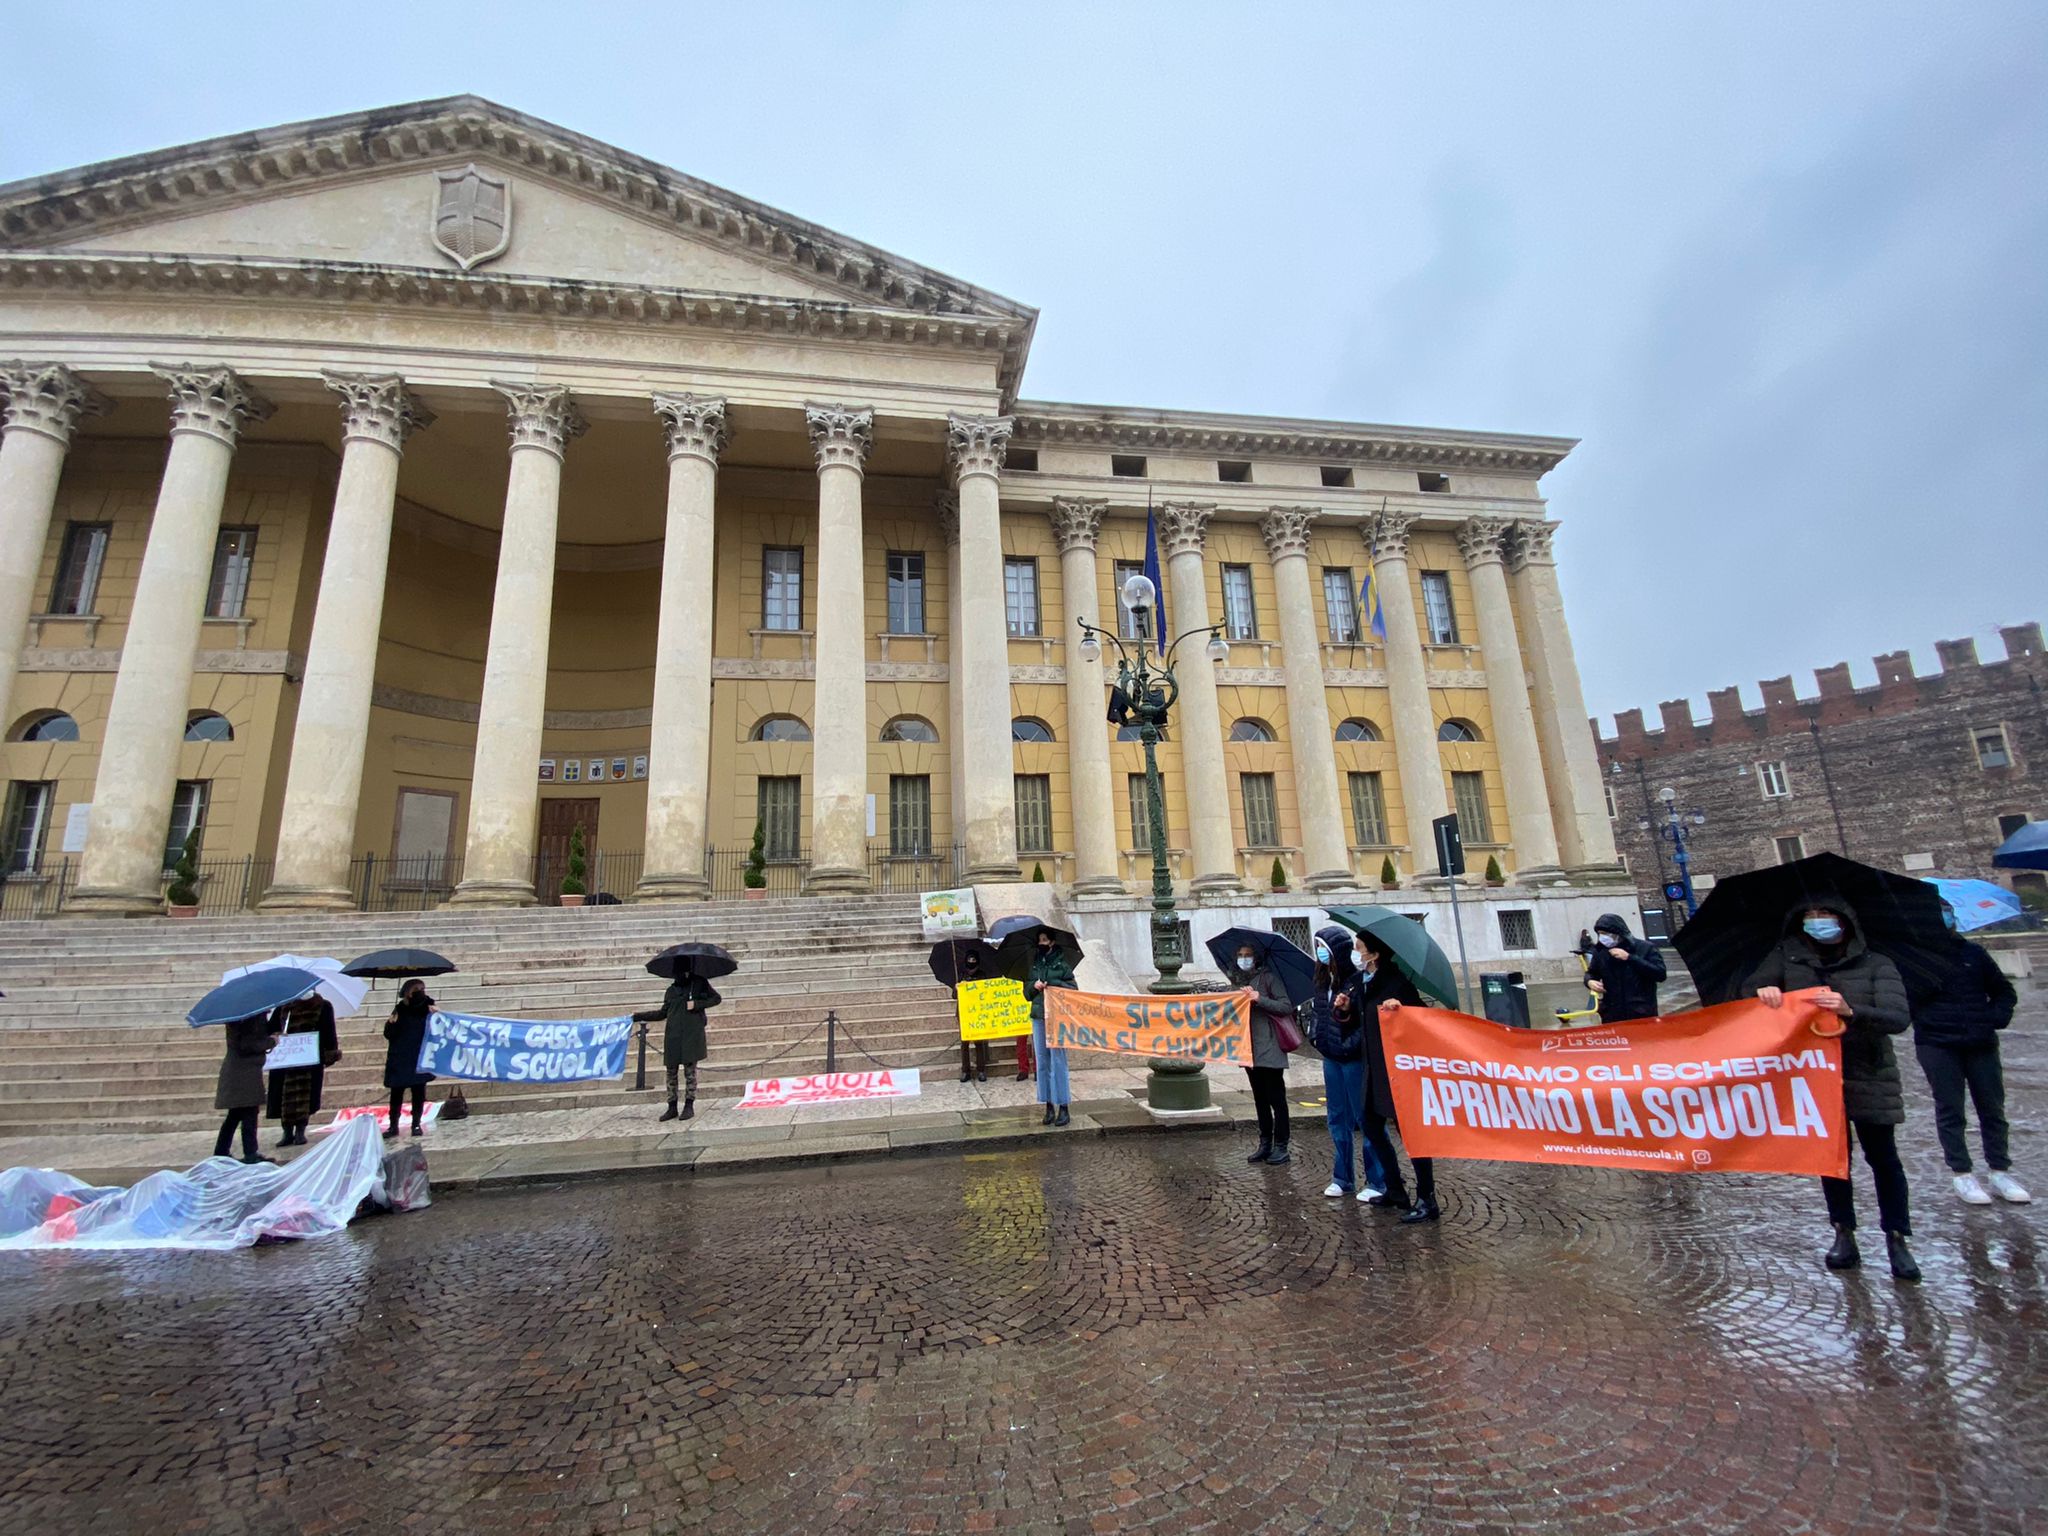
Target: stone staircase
[(93, 1038)]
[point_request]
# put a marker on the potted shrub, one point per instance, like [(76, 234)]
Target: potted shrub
[(755, 878), (1493, 874), (182, 898), (573, 888), (1279, 875), (1038, 874), (1388, 877)]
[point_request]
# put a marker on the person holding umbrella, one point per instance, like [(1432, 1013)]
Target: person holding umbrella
[(405, 1032), (1339, 1037), (970, 970), (1042, 957), (689, 997), (1274, 971), (1955, 1037), (1622, 971), (239, 1090), (295, 1091)]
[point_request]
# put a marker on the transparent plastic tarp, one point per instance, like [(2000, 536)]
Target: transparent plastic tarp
[(217, 1204)]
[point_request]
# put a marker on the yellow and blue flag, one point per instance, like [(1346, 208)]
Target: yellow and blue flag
[(1369, 602)]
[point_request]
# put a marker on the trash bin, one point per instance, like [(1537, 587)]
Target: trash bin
[(1505, 997)]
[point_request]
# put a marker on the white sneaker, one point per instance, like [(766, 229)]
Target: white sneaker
[(1969, 1191), (1336, 1191), (1368, 1194), (2006, 1187)]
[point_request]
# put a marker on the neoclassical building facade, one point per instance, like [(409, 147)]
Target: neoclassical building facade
[(385, 498)]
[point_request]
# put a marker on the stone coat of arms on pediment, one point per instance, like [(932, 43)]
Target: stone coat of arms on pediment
[(472, 215)]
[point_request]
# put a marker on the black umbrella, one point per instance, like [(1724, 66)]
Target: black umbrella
[(1016, 941), (706, 960), (1297, 972), (950, 957), (398, 964), (1745, 915)]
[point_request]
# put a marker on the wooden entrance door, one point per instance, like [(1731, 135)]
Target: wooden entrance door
[(559, 818)]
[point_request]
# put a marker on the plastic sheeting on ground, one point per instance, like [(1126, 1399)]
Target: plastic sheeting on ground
[(217, 1204)]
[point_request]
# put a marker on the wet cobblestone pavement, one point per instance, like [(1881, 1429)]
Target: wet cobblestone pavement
[(1138, 1334)]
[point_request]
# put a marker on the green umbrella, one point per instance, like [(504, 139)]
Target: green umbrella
[(1412, 947)]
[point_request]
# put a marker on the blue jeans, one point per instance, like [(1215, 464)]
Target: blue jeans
[(1052, 1068), (1344, 1092)]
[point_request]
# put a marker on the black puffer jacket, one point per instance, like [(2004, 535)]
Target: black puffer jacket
[(1871, 1089), (1632, 983), (1388, 983), (1336, 1039), (1975, 1001)]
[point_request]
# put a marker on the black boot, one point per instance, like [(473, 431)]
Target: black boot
[(1049, 1113), (689, 1108), (1903, 1265), (670, 1112), (1280, 1154), (1843, 1255), (1062, 1117), (1422, 1210), (1265, 1151)]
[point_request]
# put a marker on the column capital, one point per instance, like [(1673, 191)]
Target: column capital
[(695, 425), (378, 408), (946, 513), (1530, 544), (213, 402), (841, 434), (1386, 535), (1076, 522), (543, 416), (47, 398), (1286, 530), (975, 444), (1483, 540), (1183, 526)]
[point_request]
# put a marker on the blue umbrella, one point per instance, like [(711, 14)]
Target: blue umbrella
[(247, 996), (2025, 849), (1297, 972), (1977, 903)]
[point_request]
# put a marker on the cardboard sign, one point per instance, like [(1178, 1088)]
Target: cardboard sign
[(297, 1050), (1207, 1026), (995, 1009), (1738, 1088), (830, 1088), (950, 914), (381, 1113)]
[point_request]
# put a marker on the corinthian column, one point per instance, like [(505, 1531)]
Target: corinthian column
[(504, 795), (841, 436), (122, 872), (44, 404), (679, 747), (1482, 541), (1075, 524), (1585, 836), (1416, 759), (946, 513), (981, 666), (325, 780), (1310, 743), (1183, 526)]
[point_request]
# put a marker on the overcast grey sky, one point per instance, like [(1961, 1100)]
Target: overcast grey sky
[(1780, 265)]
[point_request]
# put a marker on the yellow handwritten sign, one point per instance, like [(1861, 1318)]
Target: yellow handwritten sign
[(993, 1010), (1207, 1026)]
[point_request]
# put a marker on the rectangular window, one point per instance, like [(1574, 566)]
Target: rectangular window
[(1261, 816), (779, 802), (906, 594), (1020, 458), (1770, 778), (1425, 481), (234, 557), (1468, 797), (78, 567), (1141, 815), (1336, 477), (1436, 608), (1240, 622), (1790, 848), (1129, 465), (1340, 605), (188, 815), (1608, 791), (910, 815), (782, 588), (1034, 812), (28, 824), (2007, 825), (1517, 929), (1234, 471), (1295, 930), (1020, 597), (1125, 624), (1368, 809), (1993, 750)]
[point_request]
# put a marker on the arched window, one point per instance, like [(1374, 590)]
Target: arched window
[(1025, 728), (1137, 733), (780, 728), (1249, 729), (1457, 730), (207, 726), (1355, 729), (54, 726), (910, 728)]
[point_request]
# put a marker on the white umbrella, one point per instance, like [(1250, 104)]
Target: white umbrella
[(345, 992)]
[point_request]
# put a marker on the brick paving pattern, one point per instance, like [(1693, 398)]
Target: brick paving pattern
[(1096, 1336)]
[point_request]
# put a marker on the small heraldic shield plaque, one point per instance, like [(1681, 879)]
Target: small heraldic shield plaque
[(472, 215)]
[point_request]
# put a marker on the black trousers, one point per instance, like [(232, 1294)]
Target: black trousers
[(1383, 1148), (1952, 1069), (1269, 1098), (246, 1119), (1881, 1151), (419, 1102), (980, 1054)]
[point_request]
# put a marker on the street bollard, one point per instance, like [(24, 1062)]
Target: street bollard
[(640, 1076), (831, 1041)]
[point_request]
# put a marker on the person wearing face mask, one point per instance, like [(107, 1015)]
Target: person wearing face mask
[(1823, 949), (1623, 972), (1955, 1035), (1339, 1038), (1383, 988), (1050, 967), (1268, 1070)]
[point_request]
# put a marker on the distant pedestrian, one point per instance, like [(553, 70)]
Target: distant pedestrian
[(970, 970), (295, 1091), (1955, 1035), (1623, 971), (240, 1089), (1383, 988), (405, 1032), (1339, 1038), (1823, 948), (1050, 967), (1268, 1070), (683, 1005)]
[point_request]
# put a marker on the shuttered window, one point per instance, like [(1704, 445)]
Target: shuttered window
[(1468, 794), (1368, 809), (780, 804), (1261, 814), (1034, 813), (910, 815), (1340, 605)]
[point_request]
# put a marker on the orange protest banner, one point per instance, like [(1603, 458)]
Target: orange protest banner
[(1208, 1026), (1738, 1088)]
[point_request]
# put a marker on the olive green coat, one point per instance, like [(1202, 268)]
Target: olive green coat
[(683, 1006), (1055, 970)]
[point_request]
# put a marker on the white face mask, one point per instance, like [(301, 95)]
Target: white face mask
[(1362, 958), (1246, 962), (1609, 940)]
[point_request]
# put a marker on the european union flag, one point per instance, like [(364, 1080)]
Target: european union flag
[(1152, 575), (1369, 601)]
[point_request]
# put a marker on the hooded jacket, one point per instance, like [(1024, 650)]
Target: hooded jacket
[(1335, 1039), (1632, 983), (1871, 1089), (1975, 1001)]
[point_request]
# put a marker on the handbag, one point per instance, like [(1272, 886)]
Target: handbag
[(1288, 1032), (455, 1106)]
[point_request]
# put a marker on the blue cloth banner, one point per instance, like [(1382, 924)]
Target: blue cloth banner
[(485, 1050)]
